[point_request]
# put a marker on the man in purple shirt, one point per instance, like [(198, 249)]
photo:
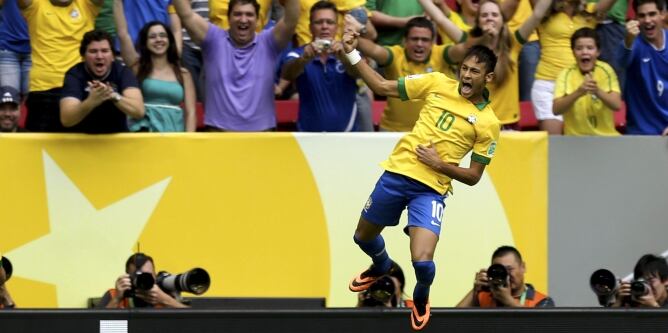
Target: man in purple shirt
[(239, 64)]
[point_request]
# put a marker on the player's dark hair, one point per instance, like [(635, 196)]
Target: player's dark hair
[(483, 55)]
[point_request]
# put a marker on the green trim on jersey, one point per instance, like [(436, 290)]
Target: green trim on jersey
[(390, 58), (480, 159), (446, 57), (403, 94), (464, 37)]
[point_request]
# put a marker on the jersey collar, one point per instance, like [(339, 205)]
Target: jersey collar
[(485, 97)]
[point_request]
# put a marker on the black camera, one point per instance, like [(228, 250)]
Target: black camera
[(380, 293), (7, 266), (140, 281), (497, 275), (640, 288), (195, 281), (604, 284)]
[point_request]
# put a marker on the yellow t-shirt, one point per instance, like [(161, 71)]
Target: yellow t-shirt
[(457, 19), (506, 95), (588, 116), (55, 37), (454, 125), (303, 30), (218, 13), (400, 116), (521, 15), (555, 43)]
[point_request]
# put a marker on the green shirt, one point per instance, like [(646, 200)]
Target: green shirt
[(105, 20), (399, 8)]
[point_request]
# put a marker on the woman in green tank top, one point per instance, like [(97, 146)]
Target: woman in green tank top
[(164, 83)]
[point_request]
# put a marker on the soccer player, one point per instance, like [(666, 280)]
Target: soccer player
[(456, 119)]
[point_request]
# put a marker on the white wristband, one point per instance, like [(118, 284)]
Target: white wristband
[(353, 57)]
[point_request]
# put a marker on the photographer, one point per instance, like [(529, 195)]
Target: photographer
[(131, 290), (649, 288), (387, 291), (6, 301), (494, 289)]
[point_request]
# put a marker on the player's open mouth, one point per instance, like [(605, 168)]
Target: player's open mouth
[(467, 88)]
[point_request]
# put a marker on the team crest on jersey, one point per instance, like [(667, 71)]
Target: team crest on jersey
[(491, 149), (74, 13), (369, 202)]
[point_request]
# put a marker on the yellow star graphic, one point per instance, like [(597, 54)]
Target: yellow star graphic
[(82, 252)]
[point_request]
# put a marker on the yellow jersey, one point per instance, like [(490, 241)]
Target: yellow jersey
[(457, 20), (451, 122), (555, 43), (218, 13), (521, 15), (303, 30), (505, 95), (55, 37), (588, 115), (400, 116)]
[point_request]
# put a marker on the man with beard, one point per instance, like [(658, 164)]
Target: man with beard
[(99, 93), (10, 110), (456, 119), (240, 64), (646, 72)]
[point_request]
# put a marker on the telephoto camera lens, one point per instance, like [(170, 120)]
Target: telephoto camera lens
[(195, 281), (604, 284), (497, 275), (7, 266)]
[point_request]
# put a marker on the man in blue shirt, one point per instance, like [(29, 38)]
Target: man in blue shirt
[(327, 91), (645, 59)]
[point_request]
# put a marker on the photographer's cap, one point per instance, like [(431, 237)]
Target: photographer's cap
[(9, 95)]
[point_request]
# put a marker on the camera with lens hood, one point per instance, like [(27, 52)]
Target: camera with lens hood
[(195, 281)]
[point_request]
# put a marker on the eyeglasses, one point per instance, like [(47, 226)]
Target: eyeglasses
[(160, 34)]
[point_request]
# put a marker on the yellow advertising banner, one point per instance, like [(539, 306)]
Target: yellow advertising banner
[(267, 215)]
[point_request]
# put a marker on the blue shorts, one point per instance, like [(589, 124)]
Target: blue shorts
[(394, 192)]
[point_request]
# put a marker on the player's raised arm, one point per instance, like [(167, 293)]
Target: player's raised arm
[(377, 83)]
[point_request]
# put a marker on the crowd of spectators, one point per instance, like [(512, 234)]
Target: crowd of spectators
[(236, 57)]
